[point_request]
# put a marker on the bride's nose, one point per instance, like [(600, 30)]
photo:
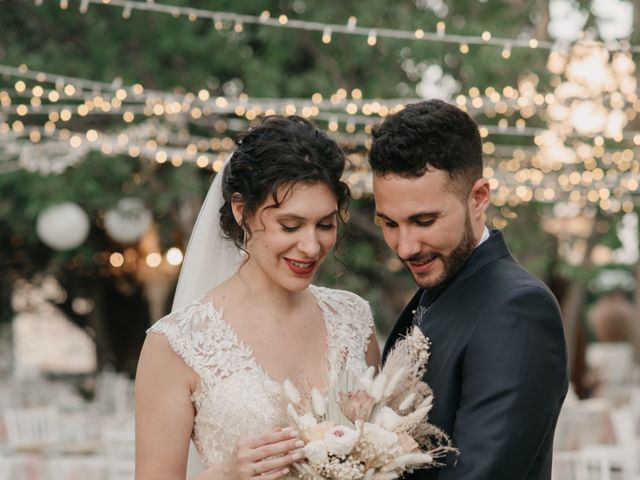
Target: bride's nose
[(309, 243)]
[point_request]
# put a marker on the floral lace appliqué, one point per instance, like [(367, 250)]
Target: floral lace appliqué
[(235, 398)]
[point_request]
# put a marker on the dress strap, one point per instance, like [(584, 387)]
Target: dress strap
[(349, 326), (200, 336)]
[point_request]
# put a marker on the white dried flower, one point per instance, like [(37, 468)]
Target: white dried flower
[(366, 380), (316, 452), (342, 469), (377, 389), (394, 382), (369, 373), (294, 415), (419, 413), (307, 421), (386, 476), (340, 440), (388, 419), (318, 403), (382, 440), (408, 460), (408, 401), (427, 402), (366, 384), (291, 392)]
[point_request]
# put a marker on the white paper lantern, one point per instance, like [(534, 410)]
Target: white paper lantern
[(128, 221), (63, 226)]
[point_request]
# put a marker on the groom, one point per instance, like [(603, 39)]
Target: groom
[(498, 362)]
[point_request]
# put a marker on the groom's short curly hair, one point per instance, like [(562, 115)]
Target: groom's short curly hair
[(281, 151), (429, 135)]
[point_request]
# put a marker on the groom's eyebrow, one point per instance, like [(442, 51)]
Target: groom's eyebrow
[(419, 215), (414, 217)]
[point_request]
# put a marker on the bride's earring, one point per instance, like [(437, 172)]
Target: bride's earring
[(245, 237)]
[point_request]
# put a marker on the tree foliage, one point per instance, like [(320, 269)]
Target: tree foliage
[(175, 54)]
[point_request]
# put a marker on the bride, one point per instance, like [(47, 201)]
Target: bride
[(246, 316)]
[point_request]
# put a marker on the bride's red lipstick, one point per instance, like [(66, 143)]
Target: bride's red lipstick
[(300, 267)]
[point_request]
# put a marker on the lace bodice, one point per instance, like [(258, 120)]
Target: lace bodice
[(236, 396)]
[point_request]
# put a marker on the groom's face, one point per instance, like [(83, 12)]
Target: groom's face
[(431, 227)]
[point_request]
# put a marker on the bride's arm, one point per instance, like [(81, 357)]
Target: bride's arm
[(164, 421), (373, 351), (164, 412)]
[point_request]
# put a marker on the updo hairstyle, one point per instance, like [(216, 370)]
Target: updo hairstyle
[(281, 151)]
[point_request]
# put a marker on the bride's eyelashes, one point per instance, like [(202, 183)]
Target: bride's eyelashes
[(326, 226), (288, 229), (321, 226)]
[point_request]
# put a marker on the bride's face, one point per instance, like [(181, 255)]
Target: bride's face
[(291, 241)]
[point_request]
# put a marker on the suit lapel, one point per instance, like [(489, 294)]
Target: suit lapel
[(492, 249), (402, 324)]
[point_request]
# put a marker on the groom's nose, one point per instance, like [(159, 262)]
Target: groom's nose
[(408, 244)]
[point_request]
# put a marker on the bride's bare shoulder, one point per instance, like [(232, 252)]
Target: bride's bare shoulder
[(159, 360)]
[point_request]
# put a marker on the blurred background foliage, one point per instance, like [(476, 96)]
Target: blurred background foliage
[(174, 54)]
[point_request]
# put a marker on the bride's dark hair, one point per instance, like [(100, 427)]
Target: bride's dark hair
[(281, 151)]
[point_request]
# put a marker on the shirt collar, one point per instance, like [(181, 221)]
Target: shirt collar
[(484, 237)]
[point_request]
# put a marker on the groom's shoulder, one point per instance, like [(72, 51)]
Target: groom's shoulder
[(507, 275), (509, 283)]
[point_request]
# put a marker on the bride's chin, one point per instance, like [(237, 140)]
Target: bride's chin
[(295, 285)]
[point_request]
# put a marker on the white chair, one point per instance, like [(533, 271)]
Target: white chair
[(613, 365), (569, 465), (32, 427), (115, 393), (615, 458), (582, 423), (624, 427), (119, 449), (5, 468), (76, 467)]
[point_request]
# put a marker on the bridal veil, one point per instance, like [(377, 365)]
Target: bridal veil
[(211, 258)]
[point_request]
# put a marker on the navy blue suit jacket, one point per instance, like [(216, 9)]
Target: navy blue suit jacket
[(498, 367)]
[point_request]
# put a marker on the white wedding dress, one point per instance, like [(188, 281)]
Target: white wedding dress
[(236, 396)]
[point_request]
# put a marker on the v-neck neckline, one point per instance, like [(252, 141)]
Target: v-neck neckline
[(218, 313)]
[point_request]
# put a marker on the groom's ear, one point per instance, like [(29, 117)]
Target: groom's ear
[(237, 207), (479, 197)]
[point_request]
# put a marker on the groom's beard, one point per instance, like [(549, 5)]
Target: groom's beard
[(453, 262)]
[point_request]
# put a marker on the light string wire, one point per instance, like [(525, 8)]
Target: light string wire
[(351, 28), (139, 100), (518, 175)]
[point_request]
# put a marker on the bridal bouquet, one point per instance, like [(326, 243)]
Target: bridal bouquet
[(371, 428)]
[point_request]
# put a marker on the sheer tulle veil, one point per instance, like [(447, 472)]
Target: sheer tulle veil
[(211, 258)]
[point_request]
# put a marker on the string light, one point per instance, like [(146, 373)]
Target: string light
[(372, 38), (510, 103), (612, 174), (326, 35), (350, 28)]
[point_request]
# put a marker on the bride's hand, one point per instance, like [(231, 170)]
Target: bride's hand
[(267, 456)]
